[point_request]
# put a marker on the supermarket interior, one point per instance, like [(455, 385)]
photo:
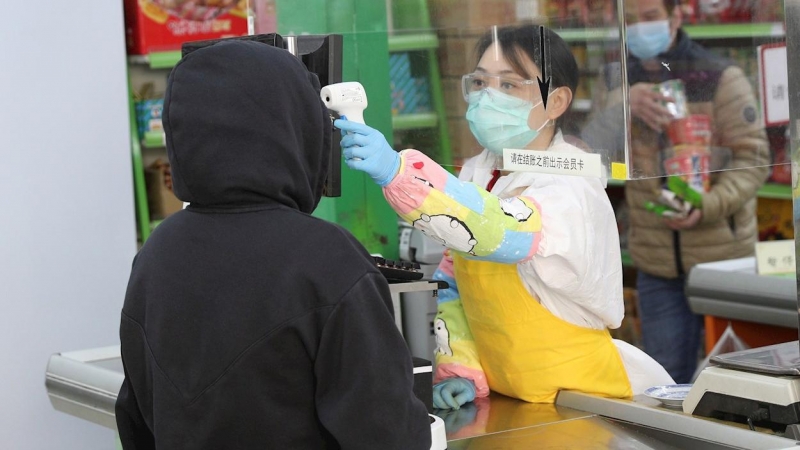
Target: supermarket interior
[(400, 224)]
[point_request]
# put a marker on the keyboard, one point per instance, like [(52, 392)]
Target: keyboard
[(398, 270)]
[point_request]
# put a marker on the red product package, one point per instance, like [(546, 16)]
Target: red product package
[(163, 25), (694, 129)]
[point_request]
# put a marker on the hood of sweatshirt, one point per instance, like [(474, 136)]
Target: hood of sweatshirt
[(245, 126)]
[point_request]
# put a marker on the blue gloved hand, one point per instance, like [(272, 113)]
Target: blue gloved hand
[(452, 393), (366, 149)]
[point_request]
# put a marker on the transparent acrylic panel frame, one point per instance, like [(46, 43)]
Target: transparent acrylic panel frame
[(600, 119)]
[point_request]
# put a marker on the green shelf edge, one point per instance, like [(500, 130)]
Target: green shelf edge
[(412, 121), (768, 190), (157, 60), (710, 31), (777, 191), (588, 34), (410, 42), (615, 182), (153, 139), (424, 41), (164, 60), (735, 30), (402, 43)]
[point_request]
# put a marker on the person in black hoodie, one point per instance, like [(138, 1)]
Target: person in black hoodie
[(248, 323)]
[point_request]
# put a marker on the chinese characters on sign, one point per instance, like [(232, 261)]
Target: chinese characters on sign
[(787, 261), (775, 257), (581, 164), (555, 162), (773, 83), (191, 27)]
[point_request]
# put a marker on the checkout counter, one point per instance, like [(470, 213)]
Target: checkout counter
[(85, 384)]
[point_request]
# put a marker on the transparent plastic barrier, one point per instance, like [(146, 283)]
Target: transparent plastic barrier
[(711, 117)]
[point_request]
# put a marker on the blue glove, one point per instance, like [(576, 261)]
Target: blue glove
[(366, 149), (452, 393)]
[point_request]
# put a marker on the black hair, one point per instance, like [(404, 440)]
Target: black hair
[(670, 5), (516, 41)]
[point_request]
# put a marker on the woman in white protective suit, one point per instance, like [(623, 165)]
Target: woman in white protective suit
[(533, 259)]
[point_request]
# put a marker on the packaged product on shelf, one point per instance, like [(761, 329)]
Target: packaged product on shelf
[(266, 16), (148, 105), (577, 13), (774, 219), (461, 14), (726, 11), (768, 11), (163, 25), (601, 13), (781, 172), (579, 52), (410, 94)]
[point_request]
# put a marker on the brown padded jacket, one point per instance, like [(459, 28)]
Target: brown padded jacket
[(728, 228)]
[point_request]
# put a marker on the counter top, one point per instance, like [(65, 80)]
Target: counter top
[(589, 422), (85, 384)]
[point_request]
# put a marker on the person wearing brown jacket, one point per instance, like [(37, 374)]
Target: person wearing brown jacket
[(664, 250)]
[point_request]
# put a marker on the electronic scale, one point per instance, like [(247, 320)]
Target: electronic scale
[(760, 387)]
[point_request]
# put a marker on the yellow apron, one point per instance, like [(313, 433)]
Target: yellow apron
[(526, 351)]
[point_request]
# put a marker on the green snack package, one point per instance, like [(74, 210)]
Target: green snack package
[(684, 191)]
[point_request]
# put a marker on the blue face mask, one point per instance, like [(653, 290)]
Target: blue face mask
[(647, 40), (499, 120)]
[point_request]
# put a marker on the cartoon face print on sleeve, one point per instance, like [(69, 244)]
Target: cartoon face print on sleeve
[(516, 208), (448, 231), (442, 338)]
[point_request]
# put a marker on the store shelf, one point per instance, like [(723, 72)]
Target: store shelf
[(158, 60), (588, 34), (411, 42), (708, 31), (735, 30), (582, 105), (411, 121), (401, 43), (769, 190), (777, 191), (154, 139)]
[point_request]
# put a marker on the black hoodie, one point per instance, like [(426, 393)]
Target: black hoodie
[(248, 323)]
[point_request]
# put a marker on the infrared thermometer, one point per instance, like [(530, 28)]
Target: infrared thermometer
[(348, 99)]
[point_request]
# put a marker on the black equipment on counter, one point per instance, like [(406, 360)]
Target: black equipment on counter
[(398, 270)]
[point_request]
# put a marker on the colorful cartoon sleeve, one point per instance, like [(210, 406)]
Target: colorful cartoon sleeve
[(456, 353), (461, 215)]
